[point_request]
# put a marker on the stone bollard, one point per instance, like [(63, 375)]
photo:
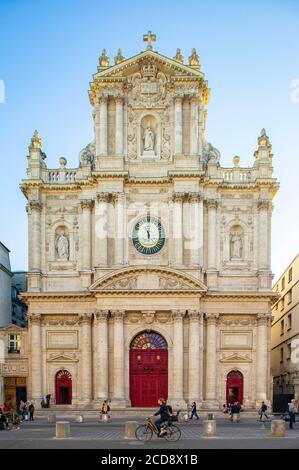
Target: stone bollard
[(51, 418), (278, 428), (236, 417), (130, 428), (105, 417), (210, 416), (209, 428), (63, 429), (79, 419)]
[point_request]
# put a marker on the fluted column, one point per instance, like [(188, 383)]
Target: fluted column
[(178, 131), (86, 206), (118, 358), (103, 131), (177, 227), (97, 127), (196, 227), (34, 238), (195, 357), (211, 360), (212, 246), (262, 363), (86, 358), (264, 256), (119, 228), (100, 360), (36, 357), (101, 229), (119, 125), (194, 132), (178, 357)]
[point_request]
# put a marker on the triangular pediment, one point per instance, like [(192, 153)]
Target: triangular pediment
[(12, 329), (62, 357), (235, 357), (148, 279)]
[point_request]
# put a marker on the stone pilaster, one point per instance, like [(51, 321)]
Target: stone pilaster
[(86, 358), (196, 229), (101, 229), (119, 227), (195, 357), (194, 131), (178, 358), (211, 360), (100, 360), (212, 243), (118, 359), (86, 206), (119, 126), (264, 254), (177, 227), (36, 357), (262, 363), (103, 144), (34, 239), (178, 131)]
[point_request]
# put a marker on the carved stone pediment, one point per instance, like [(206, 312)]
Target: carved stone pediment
[(148, 279), (62, 357), (235, 357)]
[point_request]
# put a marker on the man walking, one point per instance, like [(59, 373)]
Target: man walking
[(263, 411), (31, 411), (193, 411), (292, 412)]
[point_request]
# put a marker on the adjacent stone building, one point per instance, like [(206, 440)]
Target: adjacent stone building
[(149, 263), (285, 338), (5, 286)]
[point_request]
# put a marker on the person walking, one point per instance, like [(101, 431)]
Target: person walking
[(31, 411), (263, 410), (292, 412), (104, 409), (194, 411)]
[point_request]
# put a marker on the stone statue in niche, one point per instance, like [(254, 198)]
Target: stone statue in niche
[(236, 246), (62, 246), (148, 139)]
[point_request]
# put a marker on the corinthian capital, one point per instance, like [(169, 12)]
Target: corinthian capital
[(264, 319), (103, 197), (86, 203), (34, 206), (178, 197), (118, 315), (101, 316), (178, 315), (212, 203), (264, 204), (194, 315), (85, 318), (211, 317), (34, 318)]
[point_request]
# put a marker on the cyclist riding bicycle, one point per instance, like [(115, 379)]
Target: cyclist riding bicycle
[(164, 412)]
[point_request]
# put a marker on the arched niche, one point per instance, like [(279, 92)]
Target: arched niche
[(62, 243), (149, 136)]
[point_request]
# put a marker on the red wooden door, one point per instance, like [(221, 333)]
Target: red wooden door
[(234, 387), (63, 388), (148, 376)]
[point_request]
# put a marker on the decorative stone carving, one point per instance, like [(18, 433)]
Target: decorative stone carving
[(194, 315), (132, 136), (104, 61), (118, 315), (119, 58), (87, 203), (87, 154), (237, 321), (178, 56), (126, 283), (166, 139), (178, 315), (62, 245), (101, 315), (148, 86), (212, 317), (34, 206), (62, 356), (163, 317), (148, 317), (148, 139), (194, 59), (85, 318), (36, 141), (236, 243), (210, 153), (34, 318), (235, 358), (166, 284)]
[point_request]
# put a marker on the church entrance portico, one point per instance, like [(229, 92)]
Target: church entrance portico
[(148, 369)]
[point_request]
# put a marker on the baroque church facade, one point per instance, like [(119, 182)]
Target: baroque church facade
[(149, 263)]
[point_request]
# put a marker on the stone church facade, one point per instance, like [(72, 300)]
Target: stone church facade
[(149, 264)]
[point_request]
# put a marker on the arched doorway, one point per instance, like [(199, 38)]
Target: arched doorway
[(63, 388), (234, 387), (148, 369)]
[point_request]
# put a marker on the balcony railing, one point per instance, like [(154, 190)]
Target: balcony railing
[(61, 176)]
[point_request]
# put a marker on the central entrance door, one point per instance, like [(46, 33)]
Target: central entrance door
[(148, 369), (234, 387), (63, 386)]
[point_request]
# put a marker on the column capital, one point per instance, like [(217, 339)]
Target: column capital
[(194, 198), (34, 206), (34, 318), (264, 204), (103, 99), (85, 318), (211, 203), (118, 315), (118, 197), (119, 99), (87, 203), (178, 197), (178, 97), (178, 315), (101, 316), (264, 319), (194, 315), (211, 317), (103, 197)]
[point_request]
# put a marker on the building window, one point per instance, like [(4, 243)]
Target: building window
[(283, 283), (281, 354), (289, 352), (290, 296), (290, 274), (282, 304), (14, 343), (282, 327), (289, 321)]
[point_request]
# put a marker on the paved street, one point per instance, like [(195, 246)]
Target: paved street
[(96, 435)]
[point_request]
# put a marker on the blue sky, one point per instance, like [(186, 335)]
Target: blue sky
[(249, 52)]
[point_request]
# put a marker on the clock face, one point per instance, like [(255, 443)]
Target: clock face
[(148, 235)]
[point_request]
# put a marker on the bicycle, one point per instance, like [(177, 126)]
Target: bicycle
[(169, 431)]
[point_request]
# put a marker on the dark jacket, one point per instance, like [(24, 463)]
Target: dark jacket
[(235, 409), (163, 412), (264, 408)]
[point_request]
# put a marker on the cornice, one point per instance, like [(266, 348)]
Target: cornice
[(54, 295), (213, 295)]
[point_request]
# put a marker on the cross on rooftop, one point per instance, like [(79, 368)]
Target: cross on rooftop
[(149, 38)]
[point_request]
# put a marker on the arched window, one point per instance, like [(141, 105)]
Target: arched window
[(148, 340)]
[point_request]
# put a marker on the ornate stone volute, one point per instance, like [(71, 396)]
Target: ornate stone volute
[(212, 203), (85, 318), (101, 316), (118, 315), (212, 318), (264, 319), (87, 204), (34, 318), (194, 315), (104, 61), (34, 206), (103, 197)]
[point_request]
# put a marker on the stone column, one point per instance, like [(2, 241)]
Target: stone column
[(196, 227), (36, 357), (194, 132), (101, 229), (262, 363), (2, 398), (177, 227), (119, 228), (264, 256), (85, 363), (195, 355), (86, 206), (103, 144), (97, 127), (211, 360), (100, 361), (178, 358), (34, 239), (178, 129), (118, 359), (119, 126), (212, 208)]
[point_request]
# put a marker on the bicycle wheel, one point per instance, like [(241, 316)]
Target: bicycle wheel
[(143, 433), (173, 433)]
